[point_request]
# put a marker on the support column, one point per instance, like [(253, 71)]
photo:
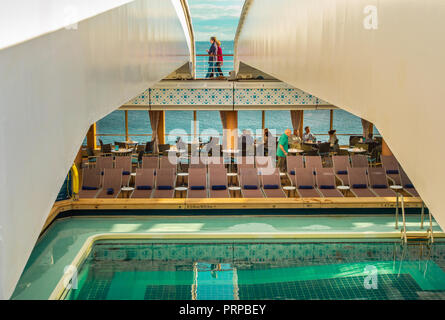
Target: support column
[(126, 126), (302, 125), (331, 120), (91, 137), (386, 151), (161, 128), (230, 126), (195, 119)]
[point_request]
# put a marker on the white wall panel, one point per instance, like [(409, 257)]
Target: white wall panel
[(55, 85), (392, 75)]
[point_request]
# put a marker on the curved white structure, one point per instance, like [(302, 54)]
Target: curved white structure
[(65, 64), (381, 60)]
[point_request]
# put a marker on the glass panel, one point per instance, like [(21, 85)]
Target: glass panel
[(114, 123)]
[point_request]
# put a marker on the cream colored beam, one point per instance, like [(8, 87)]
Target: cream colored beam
[(381, 60), (70, 73)]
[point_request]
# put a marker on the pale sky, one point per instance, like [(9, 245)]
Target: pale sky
[(215, 18)]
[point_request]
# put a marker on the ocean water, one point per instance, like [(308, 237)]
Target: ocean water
[(181, 122)]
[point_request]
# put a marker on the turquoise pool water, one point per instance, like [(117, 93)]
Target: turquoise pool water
[(59, 245), (146, 270)]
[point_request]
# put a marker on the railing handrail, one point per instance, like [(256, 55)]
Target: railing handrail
[(218, 55), (209, 134)]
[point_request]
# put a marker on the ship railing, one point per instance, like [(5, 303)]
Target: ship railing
[(204, 70)]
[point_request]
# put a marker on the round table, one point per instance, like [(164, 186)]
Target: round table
[(181, 191), (294, 151), (397, 190), (354, 150), (122, 151), (344, 189), (289, 190), (235, 192), (182, 175), (126, 192)]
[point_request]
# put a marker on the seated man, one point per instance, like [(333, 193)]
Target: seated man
[(294, 139), (333, 141), (308, 136)]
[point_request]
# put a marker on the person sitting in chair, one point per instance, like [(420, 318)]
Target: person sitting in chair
[(333, 141), (308, 136)]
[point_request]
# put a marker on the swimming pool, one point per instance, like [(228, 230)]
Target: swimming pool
[(260, 269)]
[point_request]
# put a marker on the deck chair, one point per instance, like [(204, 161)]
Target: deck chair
[(250, 160), (104, 163), (304, 183), (125, 164), (358, 181), (294, 162), (325, 179), (144, 183), (379, 183), (197, 185), (407, 184), (359, 161), (112, 184), (218, 187), (249, 183), (91, 178), (391, 166), (165, 183), (313, 162), (265, 165), (214, 163), (271, 184), (150, 162), (197, 162), (240, 166), (341, 165), (168, 163)]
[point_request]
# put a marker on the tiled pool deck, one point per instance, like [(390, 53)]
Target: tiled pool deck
[(62, 241)]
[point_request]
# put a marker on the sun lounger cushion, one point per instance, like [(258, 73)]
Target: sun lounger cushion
[(126, 173), (271, 186), (219, 187), (326, 187), (305, 187), (359, 186), (250, 187), (110, 191), (392, 171), (143, 187), (198, 188), (342, 172), (379, 186), (165, 187), (94, 188)]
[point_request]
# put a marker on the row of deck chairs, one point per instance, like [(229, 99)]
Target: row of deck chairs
[(391, 169), (258, 178), (108, 185)]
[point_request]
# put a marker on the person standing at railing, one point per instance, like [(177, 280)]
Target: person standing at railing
[(219, 60), (212, 52)]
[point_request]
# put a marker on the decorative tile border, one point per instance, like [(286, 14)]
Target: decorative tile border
[(225, 97)]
